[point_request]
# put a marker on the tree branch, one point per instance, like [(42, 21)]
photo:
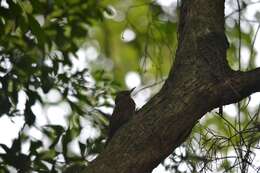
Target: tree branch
[(240, 85)]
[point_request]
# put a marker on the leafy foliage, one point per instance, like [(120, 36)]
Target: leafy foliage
[(40, 55)]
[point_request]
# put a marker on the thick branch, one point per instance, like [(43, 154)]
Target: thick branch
[(240, 85)]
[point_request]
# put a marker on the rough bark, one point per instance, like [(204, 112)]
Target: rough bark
[(199, 81)]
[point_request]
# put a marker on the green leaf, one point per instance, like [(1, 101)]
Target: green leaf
[(34, 146), (5, 147), (37, 30), (5, 104), (28, 114), (82, 149), (66, 138)]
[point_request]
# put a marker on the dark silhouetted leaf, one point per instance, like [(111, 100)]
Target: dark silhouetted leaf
[(28, 114)]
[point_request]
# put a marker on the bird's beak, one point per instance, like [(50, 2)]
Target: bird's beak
[(132, 90)]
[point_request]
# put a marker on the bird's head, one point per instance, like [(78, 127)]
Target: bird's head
[(123, 95)]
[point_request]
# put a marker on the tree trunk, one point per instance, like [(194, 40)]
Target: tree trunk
[(200, 80)]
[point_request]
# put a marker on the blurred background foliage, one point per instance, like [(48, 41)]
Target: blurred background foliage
[(62, 61)]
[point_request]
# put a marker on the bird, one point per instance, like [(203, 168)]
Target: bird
[(123, 111)]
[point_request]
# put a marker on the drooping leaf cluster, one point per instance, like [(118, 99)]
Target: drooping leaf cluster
[(44, 49), (38, 41)]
